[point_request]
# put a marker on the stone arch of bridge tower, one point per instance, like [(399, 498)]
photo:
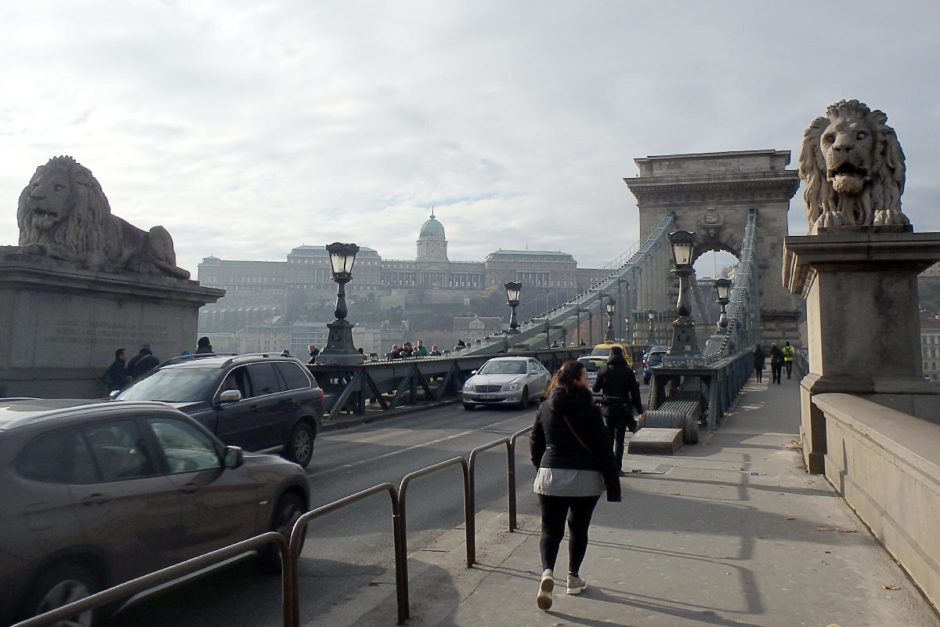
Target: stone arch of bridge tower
[(711, 194)]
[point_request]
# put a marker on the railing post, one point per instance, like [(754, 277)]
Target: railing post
[(469, 512)]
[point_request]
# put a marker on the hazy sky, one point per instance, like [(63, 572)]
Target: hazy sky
[(248, 128)]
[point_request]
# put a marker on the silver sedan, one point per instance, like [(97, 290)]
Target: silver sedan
[(506, 381)]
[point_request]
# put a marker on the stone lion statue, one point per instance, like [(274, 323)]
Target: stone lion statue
[(63, 214), (853, 167)]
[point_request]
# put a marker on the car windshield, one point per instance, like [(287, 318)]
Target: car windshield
[(600, 352), (173, 385), (503, 367)]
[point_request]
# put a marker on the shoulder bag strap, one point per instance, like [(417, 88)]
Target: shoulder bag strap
[(576, 436)]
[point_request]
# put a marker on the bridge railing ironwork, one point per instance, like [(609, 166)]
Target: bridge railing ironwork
[(715, 385), (392, 383)]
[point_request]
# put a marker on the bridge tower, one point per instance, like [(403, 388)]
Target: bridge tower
[(710, 194)]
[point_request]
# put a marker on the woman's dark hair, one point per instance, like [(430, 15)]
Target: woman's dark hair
[(203, 341), (566, 376), (616, 356)]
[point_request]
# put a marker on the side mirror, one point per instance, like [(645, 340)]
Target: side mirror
[(230, 396), (234, 457), (473, 372), (114, 394)]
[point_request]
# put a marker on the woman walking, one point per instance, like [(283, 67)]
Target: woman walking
[(573, 453), (621, 396), (759, 363)]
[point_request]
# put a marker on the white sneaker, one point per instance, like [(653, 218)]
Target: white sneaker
[(544, 597), (576, 585)]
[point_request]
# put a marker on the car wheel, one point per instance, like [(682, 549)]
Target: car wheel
[(300, 445), (524, 398), (289, 508), (61, 585), (468, 406)]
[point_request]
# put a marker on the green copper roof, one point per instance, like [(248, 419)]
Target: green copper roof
[(432, 228)]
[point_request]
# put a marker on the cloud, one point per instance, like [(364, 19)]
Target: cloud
[(250, 128)]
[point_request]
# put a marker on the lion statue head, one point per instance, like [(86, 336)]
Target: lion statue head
[(853, 167), (63, 206)]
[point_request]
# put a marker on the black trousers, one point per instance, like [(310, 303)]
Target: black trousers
[(760, 373), (617, 428), (789, 366), (776, 371), (578, 511)]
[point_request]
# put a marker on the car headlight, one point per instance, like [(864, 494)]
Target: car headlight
[(512, 387), (468, 386)]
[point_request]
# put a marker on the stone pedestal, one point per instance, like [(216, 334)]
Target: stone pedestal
[(60, 326), (863, 326)]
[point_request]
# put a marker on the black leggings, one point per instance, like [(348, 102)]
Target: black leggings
[(578, 510)]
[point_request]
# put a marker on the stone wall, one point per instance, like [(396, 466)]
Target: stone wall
[(886, 465), (59, 327)]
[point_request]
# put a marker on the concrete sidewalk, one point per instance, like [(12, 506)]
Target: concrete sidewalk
[(731, 532)]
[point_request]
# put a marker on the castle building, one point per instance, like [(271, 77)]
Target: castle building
[(255, 287)]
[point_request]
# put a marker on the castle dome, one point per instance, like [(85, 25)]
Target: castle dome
[(432, 228)]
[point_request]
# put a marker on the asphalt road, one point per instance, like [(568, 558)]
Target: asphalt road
[(349, 550)]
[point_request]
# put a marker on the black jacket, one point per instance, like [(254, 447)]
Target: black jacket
[(141, 363), (618, 383), (116, 377), (553, 445)]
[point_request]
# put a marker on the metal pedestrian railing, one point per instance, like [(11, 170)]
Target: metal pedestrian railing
[(289, 549), (146, 582), (299, 532)]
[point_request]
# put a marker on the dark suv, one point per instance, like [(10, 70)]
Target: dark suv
[(259, 402), (97, 493)]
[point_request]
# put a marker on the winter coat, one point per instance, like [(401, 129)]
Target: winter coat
[(142, 363), (759, 358), (621, 391), (116, 377), (553, 445)]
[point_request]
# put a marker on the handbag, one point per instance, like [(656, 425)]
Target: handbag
[(608, 472)]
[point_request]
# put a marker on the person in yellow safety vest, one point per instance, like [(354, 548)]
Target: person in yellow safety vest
[(789, 354)]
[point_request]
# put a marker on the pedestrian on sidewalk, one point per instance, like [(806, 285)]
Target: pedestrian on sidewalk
[(621, 394), (115, 378), (776, 363), (573, 453), (789, 354), (759, 359)]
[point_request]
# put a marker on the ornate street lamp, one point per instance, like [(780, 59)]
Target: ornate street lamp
[(512, 298), (651, 316), (339, 348), (723, 293), (609, 306), (683, 351)]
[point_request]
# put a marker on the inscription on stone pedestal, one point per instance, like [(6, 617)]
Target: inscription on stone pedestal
[(83, 332)]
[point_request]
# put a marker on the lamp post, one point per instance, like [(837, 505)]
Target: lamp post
[(683, 351), (577, 313), (590, 327), (512, 298), (609, 306), (339, 348), (722, 293), (622, 305), (651, 316)]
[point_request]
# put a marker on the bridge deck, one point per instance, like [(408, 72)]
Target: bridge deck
[(730, 531)]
